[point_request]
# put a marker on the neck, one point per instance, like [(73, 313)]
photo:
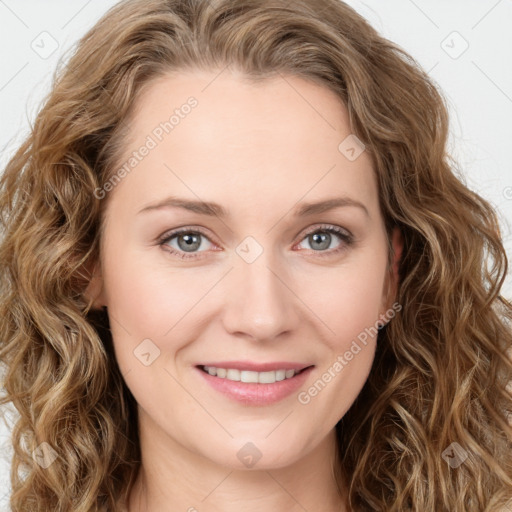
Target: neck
[(173, 478)]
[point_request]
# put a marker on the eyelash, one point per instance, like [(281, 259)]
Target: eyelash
[(344, 235)]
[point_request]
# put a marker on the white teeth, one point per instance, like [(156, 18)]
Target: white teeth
[(233, 375), (250, 376), (246, 376), (266, 377)]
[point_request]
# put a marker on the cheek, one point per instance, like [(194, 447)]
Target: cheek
[(148, 300), (347, 299), (147, 308), (140, 306), (348, 303)]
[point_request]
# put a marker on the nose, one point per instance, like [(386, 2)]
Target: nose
[(260, 303)]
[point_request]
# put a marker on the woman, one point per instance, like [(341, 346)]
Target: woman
[(173, 337)]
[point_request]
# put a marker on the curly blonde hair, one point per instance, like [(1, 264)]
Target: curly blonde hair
[(441, 366)]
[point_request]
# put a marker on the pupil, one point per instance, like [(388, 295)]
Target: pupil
[(323, 239), (191, 242)]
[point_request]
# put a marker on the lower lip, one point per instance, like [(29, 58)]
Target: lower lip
[(256, 394)]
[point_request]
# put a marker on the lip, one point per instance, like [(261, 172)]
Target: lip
[(258, 367), (256, 394)]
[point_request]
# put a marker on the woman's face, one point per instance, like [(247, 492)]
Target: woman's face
[(255, 177)]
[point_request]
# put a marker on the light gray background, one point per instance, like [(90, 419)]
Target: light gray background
[(477, 81)]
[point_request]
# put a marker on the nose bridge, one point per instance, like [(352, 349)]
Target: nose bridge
[(258, 302)]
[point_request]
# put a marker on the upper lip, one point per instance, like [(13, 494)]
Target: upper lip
[(258, 367)]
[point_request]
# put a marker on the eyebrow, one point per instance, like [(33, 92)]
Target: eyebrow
[(215, 209)]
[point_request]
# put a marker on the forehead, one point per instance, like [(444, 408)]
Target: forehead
[(279, 138)]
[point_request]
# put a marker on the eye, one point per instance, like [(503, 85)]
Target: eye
[(321, 238), (186, 242)]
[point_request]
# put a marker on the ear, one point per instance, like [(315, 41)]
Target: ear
[(390, 290), (94, 293)]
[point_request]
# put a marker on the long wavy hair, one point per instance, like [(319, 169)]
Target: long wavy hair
[(441, 367)]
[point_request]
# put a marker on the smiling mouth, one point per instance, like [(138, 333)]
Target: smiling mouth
[(251, 377)]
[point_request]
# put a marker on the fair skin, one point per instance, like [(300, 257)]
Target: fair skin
[(260, 151)]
